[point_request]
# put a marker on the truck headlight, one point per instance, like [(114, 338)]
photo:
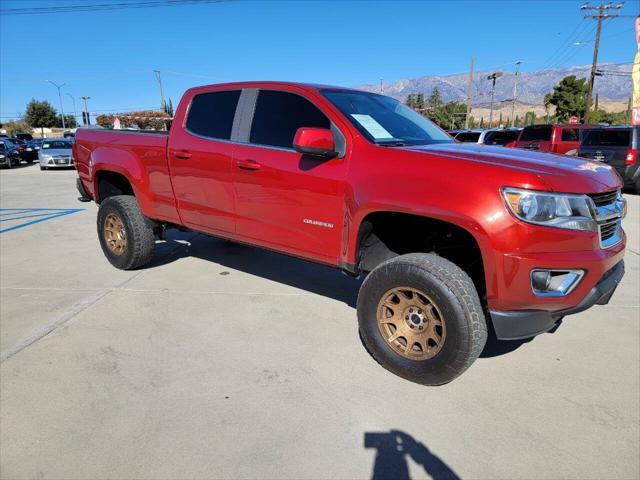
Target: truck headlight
[(559, 210)]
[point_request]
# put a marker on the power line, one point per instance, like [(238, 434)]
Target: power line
[(105, 6), (576, 32)]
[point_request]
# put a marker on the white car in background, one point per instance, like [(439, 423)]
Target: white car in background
[(55, 153)]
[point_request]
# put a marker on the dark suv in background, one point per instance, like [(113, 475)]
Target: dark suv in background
[(617, 146)]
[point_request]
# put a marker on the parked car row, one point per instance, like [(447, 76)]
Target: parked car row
[(616, 146), (50, 152)]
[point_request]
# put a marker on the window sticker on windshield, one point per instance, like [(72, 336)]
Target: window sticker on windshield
[(376, 130)]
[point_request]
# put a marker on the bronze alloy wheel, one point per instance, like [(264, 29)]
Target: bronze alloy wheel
[(115, 234), (411, 323)]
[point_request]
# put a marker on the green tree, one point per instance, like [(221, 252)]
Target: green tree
[(40, 114), (435, 99), (530, 118), (448, 115), (611, 118), (568, 97), (69, 121), (168, 108)]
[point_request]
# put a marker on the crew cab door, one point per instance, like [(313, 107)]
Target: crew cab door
[(200, 160), (285, 200)]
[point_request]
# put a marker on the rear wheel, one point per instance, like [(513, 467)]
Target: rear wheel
[(420, 317), (126, 236)]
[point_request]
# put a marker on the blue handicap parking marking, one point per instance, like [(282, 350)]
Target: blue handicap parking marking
[(15, 218)]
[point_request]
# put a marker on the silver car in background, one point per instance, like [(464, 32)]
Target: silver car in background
[(55, 153)]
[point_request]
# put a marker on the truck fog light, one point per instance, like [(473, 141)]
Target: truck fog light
[(555, 283)]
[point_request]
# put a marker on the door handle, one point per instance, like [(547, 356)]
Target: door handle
[(183, 154), (248, 165)]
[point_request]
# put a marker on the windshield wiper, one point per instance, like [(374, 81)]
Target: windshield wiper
[(391, 144)]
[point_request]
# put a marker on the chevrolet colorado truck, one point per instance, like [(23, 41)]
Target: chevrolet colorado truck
[(454, 240)]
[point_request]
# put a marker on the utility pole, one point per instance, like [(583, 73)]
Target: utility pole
[(380, 85), (493, 77), (515, 95), (162, 104), (600, 16), (64, 127), (469, 96), (87, 120), (75, 112)]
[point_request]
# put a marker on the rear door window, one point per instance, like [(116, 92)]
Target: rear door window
[(608, 138), (569, 135), (211, 114), (500, 138), (468, 137), (278, 116), (534, 133)]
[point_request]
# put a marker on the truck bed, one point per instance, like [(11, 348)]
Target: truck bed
[(138, 155)]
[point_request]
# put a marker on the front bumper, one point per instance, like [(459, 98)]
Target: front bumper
[(513, 325)]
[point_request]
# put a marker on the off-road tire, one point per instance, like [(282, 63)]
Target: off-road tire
[(451, 289), (138, 229)]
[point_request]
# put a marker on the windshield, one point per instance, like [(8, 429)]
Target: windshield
[(608, 138), (56, 145), (385, 121), (536, 132)]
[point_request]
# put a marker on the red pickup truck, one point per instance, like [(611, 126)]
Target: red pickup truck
[(559, 138), (454, 239)]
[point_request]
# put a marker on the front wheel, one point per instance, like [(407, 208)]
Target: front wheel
[(421, 318), (126, 235)]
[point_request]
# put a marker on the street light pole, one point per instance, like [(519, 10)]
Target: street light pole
[(64, 127), (75, 112), (162, 104), (87, 120), (469, 96), (493, 77), (515, 94)]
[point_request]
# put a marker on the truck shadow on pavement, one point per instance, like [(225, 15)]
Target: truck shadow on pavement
[(311, 277), (393, 450)]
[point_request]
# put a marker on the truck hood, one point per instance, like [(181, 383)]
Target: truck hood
[(561, 173)]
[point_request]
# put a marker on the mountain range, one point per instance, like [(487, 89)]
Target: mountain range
[(614, 85)]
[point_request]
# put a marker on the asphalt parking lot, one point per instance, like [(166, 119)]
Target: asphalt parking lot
[(226, 361)]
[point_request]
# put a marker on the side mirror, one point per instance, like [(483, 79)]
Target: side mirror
[(315, 141)]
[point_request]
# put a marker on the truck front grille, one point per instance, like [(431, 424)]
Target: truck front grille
[(608, 229), (610, 208), (601, 199)]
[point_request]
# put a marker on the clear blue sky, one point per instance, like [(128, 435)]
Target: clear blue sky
[(110, 55)]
